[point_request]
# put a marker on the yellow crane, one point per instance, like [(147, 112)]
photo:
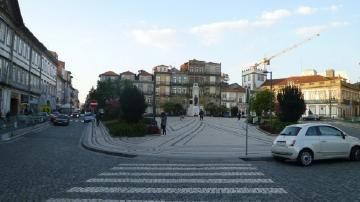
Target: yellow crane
[(266, 60)]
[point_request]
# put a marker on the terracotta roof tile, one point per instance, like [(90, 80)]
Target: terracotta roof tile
[(144, 73), (109, 73), (127, 73), (299, 79)]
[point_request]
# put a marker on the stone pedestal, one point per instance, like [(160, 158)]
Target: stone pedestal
[(194, 107)]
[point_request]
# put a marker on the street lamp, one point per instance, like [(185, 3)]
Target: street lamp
[(267, 72)]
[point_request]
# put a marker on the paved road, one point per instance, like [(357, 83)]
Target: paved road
[(52, 166), (39, 165)]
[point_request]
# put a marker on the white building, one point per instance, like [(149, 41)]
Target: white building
[(27, 68), (253, 77)]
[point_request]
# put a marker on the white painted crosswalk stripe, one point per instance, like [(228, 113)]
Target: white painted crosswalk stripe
[(175, 181), (185, 165), (133, 190), (168, 179), (180, 174), (184, 169)]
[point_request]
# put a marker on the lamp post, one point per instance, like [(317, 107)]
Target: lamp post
[(271, 94)]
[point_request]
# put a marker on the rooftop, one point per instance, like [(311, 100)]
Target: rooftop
[(109, 73)]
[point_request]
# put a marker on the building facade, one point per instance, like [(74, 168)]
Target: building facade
[(144, 81), (233, 95), (27, 68), (208, 77), (326, 96), (162, 77), (253, 77), (109, 75)]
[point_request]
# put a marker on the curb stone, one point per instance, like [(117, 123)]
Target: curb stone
[(86, 145)]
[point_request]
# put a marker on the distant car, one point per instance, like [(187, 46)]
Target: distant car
[(53, 116), (62, 119), (313, 141), (88, 117), (75, 115), (311, 117)]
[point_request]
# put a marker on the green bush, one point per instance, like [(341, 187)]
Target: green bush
[(120, 129), (276, 127)]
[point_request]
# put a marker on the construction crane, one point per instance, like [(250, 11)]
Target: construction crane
[(266, 61)]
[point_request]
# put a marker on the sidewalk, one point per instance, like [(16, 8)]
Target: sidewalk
[(212, 138), (13, 134)]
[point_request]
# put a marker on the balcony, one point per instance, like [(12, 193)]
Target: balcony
[(228, 100), (322, 101)]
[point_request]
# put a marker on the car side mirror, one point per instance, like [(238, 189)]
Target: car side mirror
[(343, 136)]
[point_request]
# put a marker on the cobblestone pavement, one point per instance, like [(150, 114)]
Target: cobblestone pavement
[(212, 137), (52, 166)]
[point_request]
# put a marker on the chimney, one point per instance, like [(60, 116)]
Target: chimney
[(330, 73)]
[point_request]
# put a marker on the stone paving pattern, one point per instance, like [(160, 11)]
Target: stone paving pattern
[(212, 137)]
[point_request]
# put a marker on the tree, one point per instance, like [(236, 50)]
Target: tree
[(260, 102), (234, 111), (173, 108), (132, 104), (291, 104), (211, 108)]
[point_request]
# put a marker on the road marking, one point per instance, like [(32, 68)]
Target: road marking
[(186, 165), (180, 169), (146, 190), (180, 174), (175, 181)]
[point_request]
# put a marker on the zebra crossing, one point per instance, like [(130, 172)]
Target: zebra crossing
[(176, 182)]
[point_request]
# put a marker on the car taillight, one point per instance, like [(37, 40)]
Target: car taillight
[(292, 143)]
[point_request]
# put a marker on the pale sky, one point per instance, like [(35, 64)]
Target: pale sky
[(94, 36)]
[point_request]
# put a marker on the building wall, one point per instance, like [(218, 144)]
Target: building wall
[(253, 78), (22, 75), (334, 98)]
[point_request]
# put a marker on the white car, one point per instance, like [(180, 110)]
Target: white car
[(88, 117), (314, 141)]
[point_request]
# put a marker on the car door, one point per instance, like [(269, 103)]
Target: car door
[(332, 143), (311, 140)]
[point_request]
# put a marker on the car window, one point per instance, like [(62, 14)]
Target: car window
[(290, 131), (312, 131), (329, 131)]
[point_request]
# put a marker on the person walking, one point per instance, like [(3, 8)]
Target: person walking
[(163, 123), (239, 115), (97, 118), (201, 115)]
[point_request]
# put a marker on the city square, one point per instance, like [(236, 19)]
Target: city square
[(146, 101)]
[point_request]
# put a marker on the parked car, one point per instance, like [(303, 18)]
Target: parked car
[(314, 141), (53, 116), (62, 119), (88, 117), (311, 117)]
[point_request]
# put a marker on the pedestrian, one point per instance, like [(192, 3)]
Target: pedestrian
[(201, 115), (163, 123), (239, 115), (97, 118)]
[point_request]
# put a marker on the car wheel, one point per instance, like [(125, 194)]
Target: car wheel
[(355, 154), (305, 157)]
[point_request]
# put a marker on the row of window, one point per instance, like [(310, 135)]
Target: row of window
[(260, 77), (178, 90), (5, 34), (23, 49), (179, 79)]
